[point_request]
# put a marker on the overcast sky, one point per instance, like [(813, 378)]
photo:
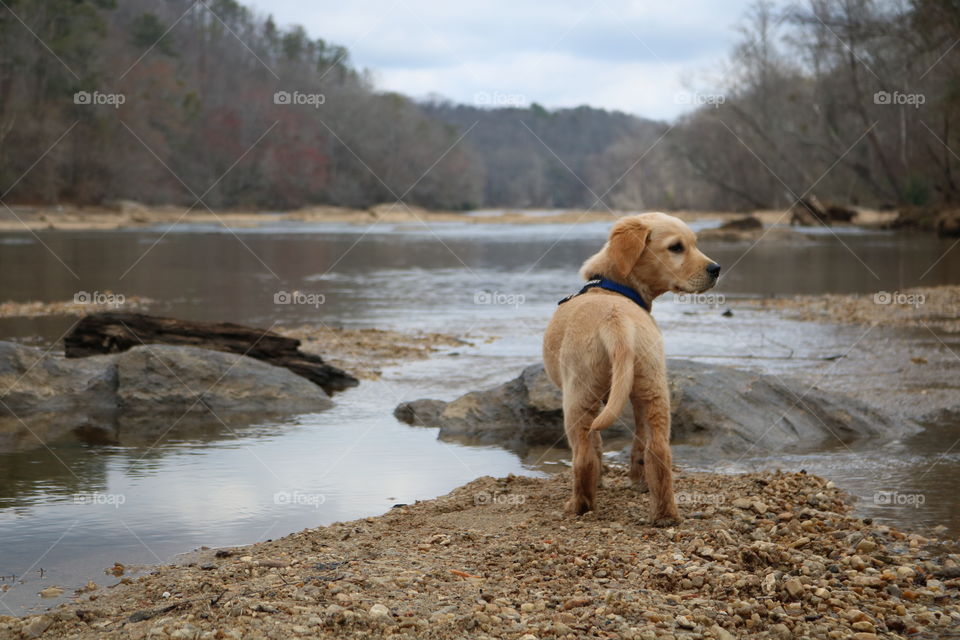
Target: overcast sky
[(641, 57)]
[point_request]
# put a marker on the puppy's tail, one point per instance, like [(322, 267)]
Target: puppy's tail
[(618, 342)]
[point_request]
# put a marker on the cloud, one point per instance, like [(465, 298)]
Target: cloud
[(616, 54)]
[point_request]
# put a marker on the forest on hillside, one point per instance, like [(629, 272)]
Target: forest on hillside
[(855, 101)]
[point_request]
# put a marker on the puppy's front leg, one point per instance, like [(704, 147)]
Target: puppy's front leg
[(658, 462)]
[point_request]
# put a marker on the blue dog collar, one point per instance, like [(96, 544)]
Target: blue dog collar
[(610, 285)]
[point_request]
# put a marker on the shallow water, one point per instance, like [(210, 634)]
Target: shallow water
[(77, 507)]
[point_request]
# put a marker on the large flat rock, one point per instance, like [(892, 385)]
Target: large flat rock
[(715, 407), (45, 396)]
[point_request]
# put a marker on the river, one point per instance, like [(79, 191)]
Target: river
[(495, 283)]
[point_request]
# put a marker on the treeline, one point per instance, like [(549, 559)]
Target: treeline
[(856, 101), (180, 100), (167, 102)]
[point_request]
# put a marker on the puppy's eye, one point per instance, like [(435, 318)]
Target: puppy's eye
[(676, 247)]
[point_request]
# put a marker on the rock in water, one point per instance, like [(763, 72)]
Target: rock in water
[(714, 407), (167, 379), (117, 397)]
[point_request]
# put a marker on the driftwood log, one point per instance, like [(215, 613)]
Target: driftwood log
[(112, 332), (810, 212)]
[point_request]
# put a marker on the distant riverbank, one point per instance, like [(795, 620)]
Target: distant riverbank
[(135, 215)]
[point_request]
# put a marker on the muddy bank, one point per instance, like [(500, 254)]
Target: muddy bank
[(916, 307), (768, 555), (366, 352)]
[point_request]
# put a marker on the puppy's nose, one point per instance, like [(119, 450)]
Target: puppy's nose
[(713, 269)]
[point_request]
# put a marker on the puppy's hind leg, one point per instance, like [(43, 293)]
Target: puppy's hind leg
[(586, 462), (637, 477), (658, 462), (597, 443)]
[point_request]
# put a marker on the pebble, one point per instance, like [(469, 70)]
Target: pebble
[(794, 587), (36, 626), (721, 634), (906, 573), (379, 611), (684, 623), (866, 546), (188, 632)]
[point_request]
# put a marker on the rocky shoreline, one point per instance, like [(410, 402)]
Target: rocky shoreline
[(764, 555)]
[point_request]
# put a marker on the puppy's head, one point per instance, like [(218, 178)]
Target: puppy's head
[(653, 253)]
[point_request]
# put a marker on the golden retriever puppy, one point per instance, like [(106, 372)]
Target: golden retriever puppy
[(603, 346)]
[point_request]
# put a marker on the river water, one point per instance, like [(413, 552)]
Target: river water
[(144, 504)]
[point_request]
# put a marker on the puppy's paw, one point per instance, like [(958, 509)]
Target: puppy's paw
[(640, 486), (666, 521), (577, 507)]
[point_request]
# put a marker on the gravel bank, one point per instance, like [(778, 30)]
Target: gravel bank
[(366, 352), (931, 307), (769, 555)]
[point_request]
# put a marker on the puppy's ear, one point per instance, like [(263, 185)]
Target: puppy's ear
[(627, 241)]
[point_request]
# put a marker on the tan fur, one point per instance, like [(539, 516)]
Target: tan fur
[(600, 347)]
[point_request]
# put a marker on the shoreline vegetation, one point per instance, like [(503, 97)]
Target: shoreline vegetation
[(129, 214), (761, 555)]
